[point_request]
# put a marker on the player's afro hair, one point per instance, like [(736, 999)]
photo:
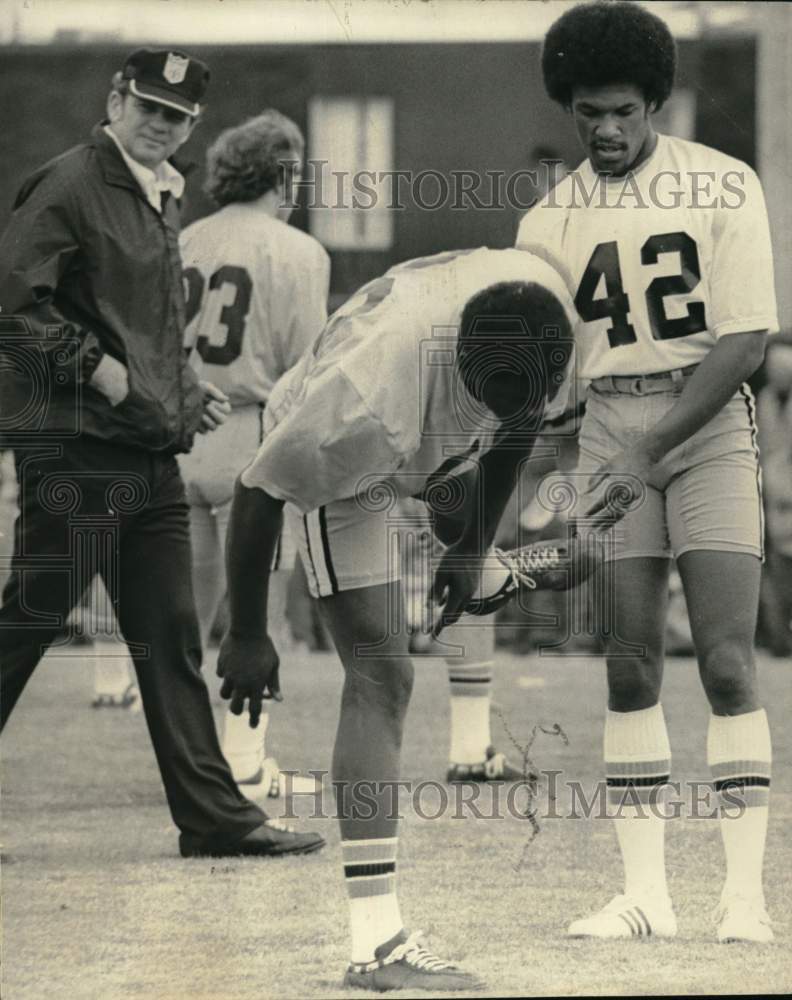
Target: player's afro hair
[(516, 326), (609, 41), (250, 159)]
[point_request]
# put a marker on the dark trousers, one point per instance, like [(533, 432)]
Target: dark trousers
[(87, 506)]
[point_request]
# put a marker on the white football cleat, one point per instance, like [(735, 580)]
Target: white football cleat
[(628, 917), (270, 782), (743, 919), (555, 564)]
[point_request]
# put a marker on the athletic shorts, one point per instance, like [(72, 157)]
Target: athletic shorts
[(704, 495), (211, 468), (344, 546), (352, 543)]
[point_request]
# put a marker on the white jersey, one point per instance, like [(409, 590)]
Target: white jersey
[(663, 261), (379, 399), (256, 293)]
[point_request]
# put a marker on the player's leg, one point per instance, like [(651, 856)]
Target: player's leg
[(367, 751), (245, 748), (378, 678), (242, 746), (346, 555), (114, 686), (470, 662), (208, 563), (632, 595), (470, 646), (209, 472), (715, 516), (723, 621)]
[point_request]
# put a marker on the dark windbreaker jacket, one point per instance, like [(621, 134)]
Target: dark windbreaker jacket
[(88, 267)]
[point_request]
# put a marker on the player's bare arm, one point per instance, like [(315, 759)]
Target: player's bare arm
[(248, 662), (510, 393), (457, 576), (733, 359)]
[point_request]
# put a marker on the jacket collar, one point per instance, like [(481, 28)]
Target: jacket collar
[(112, 165)]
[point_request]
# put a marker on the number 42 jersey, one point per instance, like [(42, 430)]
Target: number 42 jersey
[(664, 261)]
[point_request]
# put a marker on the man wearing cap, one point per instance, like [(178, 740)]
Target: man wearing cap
[(96, 399)]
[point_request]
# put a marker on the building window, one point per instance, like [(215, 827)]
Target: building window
[(349, 176)]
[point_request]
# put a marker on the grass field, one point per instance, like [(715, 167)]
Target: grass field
[(97, 903)]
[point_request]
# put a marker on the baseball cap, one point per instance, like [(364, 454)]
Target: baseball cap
[(168, 77)]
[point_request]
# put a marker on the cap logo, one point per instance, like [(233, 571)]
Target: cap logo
[(175, 68)]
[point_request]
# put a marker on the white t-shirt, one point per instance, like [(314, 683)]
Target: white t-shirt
[(378, 398), (663, 261), (256, 293)]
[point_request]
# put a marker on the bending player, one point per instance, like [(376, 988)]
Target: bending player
[(456, 354), (256, 298), (669, 250)]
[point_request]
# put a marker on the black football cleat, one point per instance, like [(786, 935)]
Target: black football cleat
[(403, 964)]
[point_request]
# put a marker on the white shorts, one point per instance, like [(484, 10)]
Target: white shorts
[(344, 546), (211, 469), (706, 493)]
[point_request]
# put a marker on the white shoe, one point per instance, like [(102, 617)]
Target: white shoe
[(743, 919), (270, 782), (628, 917)]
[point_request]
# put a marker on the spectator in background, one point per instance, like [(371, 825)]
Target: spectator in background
[(256, 300)]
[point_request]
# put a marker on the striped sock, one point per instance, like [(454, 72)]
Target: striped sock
[(370, 874), (637, 764), (470, 680), (739, 753)]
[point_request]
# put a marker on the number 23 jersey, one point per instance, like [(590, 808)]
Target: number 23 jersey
[(256, 291), (664, 261)]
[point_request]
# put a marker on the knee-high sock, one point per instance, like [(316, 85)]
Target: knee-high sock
[(370, 876), (637, 764), (739, 754), (470, 681)]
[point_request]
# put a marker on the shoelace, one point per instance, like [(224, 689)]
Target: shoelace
[(418, 956), (530, 559)]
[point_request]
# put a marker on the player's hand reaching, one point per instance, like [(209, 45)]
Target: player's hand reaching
[(617, 487), (249, 667), (216, 408), (455, 582)]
